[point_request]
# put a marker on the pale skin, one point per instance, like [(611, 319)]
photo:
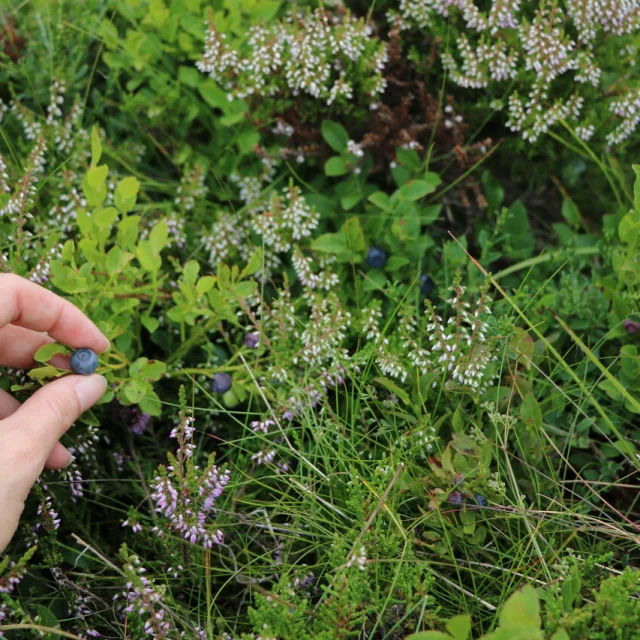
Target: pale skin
[(31, 316)]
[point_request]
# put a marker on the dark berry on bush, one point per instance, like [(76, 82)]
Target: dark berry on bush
[(252, 340), (427, 285), (458, 478), (377, 258), (221, 382), (481, 501), (455, 497), (631, 327), (84, 361)]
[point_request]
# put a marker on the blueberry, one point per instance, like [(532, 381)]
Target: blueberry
[(252, 340), (377, 258), (455, 497), (427, 285), (84, 361), (481, 501), (221, 383)]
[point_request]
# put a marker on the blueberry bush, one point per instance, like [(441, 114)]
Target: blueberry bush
[(370, 272)]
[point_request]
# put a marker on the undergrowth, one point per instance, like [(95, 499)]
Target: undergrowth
[(360, 386)]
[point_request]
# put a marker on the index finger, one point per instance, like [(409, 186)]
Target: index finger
[(26, 304)]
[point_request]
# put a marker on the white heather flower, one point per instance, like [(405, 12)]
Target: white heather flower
[(57, 98), (496, 485), (355, 148), (585, 132), (627, 108), (390, 364), (226, 234), (218, 57), (357, 558), (283, 129)]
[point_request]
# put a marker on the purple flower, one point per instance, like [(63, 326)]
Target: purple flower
[(252, 340), (141, 424)]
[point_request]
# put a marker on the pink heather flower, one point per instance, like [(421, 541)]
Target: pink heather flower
[(185, 495), (141, 423)]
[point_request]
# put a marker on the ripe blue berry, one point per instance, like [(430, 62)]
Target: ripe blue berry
[(377, 258), (84, 361), (427, 285), (481, 501), (221, 383), (252, 340)]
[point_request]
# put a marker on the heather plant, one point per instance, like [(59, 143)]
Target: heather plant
[(542, 65)]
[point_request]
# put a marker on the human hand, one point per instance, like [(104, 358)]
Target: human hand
[(29, 433)]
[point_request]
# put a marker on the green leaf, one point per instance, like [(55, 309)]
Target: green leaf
[(94, 185), (190, 272), (330, 243), (409, 158), (560, 634), (396, 262), (150, 323), (459, 627), (46, 618), (394, 388), (335, 136), (135, 390), (66, 279), (205, 284), (148, 258), (159, 236), (457, 420), (521, 611), (493, 191), (570, 213), (96, 147), (381, 200), (153, 370), (629, 229), (117, 259), (42, 373), (429, 635), (336, 166), (151, 404), (47, 351), (245, 289), (128, 232), (530, 412), (570, 591), (416, 189), (126, 194), (213, 95), (104, 218), (189, 76), (353, 233), (636, 187), (254, 264)]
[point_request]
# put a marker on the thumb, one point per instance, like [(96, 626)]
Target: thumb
[(46, 416), (28, 436)]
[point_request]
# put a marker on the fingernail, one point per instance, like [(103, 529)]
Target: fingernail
[(89, 390), (68, 462)]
